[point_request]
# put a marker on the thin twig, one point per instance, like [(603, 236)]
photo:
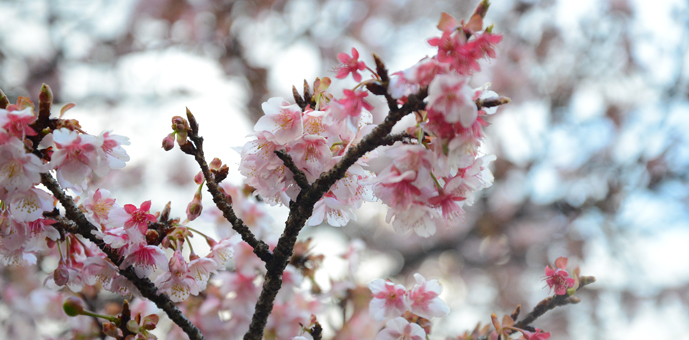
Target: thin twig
[(261, 249), (552, 302), (77, 223), (299, 176)]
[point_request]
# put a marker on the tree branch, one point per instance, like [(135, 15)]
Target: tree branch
[(77, 223), (302, 209), (299, 176), (552, 302), (261, 249)]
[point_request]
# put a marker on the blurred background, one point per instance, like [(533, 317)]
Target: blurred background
[(593, 151)]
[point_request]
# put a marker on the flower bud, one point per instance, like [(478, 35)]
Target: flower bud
[(194, 208), (110, 329), (73, 306), (169, 142), (198, 179), (61, 274), (150, 322), (215, 164), (133, 326)]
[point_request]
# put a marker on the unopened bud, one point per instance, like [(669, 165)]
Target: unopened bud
[(187, 148), (215, 164), (150, 322), (165, 214), (193, 125), (198, 179), (110, 329), (181, 127), (221, 174), (73, 306), (61, 274), (194, 207), (169, 142), (133, 326), (375, 87), (152, 237)]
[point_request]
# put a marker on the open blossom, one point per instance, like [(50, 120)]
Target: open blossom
[(114, 153), (76, 155), (16, 123), (333, 211), (401, 329), (347, 111), (223, 250), (423, 299), (135, 220), (98, 269), (178, 282), (311, 153), (350, 65), (29, 205), (145, 260), (558, 279), (451, 95), (100, 204), (19, 170), (388, 299), (282, 119)]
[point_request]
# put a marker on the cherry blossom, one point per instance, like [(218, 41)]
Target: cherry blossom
[(16, 122), (350, 65), (388, 299), (557, 278), (400, 329), (114, 154), (423, 299), (535, 336), (19, 170), (282, 119), (311, 153), (76, 155), (451, 95), (178, 282), (145, 259)]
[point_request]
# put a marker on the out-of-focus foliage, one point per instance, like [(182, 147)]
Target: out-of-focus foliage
[(592, 152)]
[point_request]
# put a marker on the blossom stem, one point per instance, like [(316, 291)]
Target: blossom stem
[(106, 317), (198, 232)]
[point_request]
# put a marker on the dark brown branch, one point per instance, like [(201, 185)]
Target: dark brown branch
[(299, 176), (552, 302), (302, 209), (77, 223), (261, 249), (492, 102), (400, 137)]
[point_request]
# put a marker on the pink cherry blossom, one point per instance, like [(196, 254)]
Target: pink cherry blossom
[(388, 299), (29, 205), (99, 269), (350, 65), (114, 154), (222, 251), (99, 204), (535, 336), (16, 123), (177, 283), (76, 155), (400, 329), (558, 279), (349, 110), (145, 259), (311, 154), (19, 170), (135, 220), (451, 95), (423, 299), (201, 269), (282, 119), (331, 210)]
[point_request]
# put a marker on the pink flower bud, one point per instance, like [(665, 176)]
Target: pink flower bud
[(198, 179), (150, 322), (216, 163), (133, 326), (194, 208), (61, 274), (169, 142)]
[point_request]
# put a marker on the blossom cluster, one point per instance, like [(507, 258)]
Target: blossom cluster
[(427, 182), (405, 307)]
